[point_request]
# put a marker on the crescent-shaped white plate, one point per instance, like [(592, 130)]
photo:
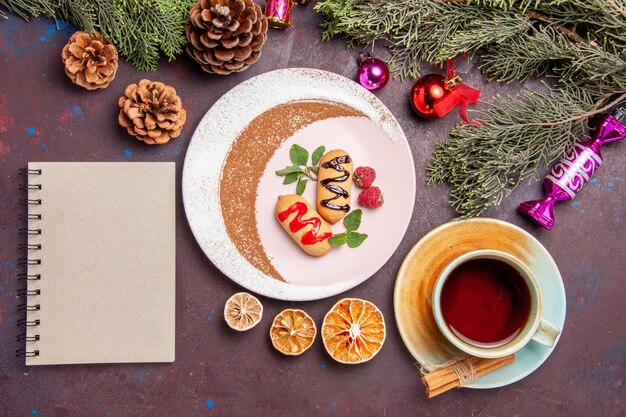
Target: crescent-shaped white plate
[(375, 140)]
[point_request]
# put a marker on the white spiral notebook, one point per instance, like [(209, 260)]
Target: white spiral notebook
[(100, 263)]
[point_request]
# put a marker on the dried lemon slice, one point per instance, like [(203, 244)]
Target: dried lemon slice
[(243, 311), (353, 331), (292, 332)]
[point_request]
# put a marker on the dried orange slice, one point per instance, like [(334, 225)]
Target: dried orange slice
[(353, 331), (292, 332), (243, 311)]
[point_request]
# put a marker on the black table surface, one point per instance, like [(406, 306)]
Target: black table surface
[(44, 117)]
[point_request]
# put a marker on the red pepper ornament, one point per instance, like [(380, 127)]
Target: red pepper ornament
[(433, 95)]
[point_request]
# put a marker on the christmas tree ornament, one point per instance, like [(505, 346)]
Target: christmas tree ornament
[(152, 112), (90, 60), (373, 73), (569, 175), (226, 35), (278, 13), (433, 95)]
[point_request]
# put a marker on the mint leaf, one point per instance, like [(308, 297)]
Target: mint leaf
[(289, 178), (337, 240), (298, 155), (317, 155), (353, 220), (355, 239), (301, 186), (288, 170)]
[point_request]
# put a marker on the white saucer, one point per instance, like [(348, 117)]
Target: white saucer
[(425, 261)]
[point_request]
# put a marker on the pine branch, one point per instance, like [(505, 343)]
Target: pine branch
[(521, 135), (544, 51), (140, 29), (619, 8), (526, 55), (481, 33), (505, 4), (434, 30), (568, 32), (580, 42)]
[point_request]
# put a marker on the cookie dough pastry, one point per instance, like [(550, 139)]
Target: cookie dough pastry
[(304, 224), (334, 180)]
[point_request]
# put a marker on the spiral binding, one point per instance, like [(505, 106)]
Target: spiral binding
[(28, 277), (25, 293), (26, 354), (23, 338), (24, 187), (28, 323), (26, 307), (26, 246), (26, 171), (27, 231), (30, 216), (30, 202)]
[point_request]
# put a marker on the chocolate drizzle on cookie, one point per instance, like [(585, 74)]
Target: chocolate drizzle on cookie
[(336, 189)]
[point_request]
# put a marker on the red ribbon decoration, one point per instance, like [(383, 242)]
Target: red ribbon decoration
[(462, 95)]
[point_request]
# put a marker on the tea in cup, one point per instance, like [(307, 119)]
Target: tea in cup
[(488, 304)]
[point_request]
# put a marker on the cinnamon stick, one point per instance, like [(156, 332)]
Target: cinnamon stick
[(444, 379)]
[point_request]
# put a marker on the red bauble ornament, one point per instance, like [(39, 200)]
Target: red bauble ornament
[(433, 96), (425, 92)]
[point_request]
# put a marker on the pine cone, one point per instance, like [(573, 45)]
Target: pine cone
[(152, 112), (90, 60), (226, 35)]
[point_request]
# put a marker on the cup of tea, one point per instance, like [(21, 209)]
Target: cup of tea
[(488, 304)]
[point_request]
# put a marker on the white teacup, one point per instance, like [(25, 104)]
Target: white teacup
[(536, 328)]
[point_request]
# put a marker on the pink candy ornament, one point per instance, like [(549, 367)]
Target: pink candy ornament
[(278, 13), (373, 73), (569, 175)]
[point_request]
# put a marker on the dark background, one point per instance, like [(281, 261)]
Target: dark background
[(44, 117)]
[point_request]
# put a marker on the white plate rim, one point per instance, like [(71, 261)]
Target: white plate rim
[(556, 276), (197, 189)]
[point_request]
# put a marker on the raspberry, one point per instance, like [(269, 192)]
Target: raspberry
[(371, 198), (364, 177)]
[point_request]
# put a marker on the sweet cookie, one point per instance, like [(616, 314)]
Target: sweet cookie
[(334, 179), (304, 224)]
